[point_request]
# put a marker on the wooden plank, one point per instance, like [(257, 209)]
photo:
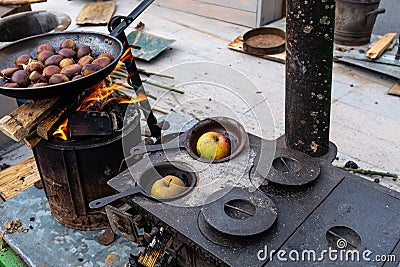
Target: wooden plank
[(232, 15), (20, 2), (46, 128), (13, 9), (98, 13), (395, 89), (19, 123), (17, 178), (246, 5), (32, 140), (380, 46), (237, 45)]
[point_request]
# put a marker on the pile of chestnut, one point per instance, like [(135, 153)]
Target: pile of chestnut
[(71, 62)]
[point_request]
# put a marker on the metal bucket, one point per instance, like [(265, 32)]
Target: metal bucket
[(355, 20)]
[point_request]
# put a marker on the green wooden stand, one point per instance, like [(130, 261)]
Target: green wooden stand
[(9, 258)]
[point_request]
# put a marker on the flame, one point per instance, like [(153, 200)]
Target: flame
[(140, 97), (100, 95), (96, 96), (61, 132), (128, 56)]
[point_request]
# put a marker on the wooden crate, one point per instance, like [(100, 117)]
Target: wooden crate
[(251, 13)]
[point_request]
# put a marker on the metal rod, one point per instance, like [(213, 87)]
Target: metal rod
[(118, 30), (309, 49)]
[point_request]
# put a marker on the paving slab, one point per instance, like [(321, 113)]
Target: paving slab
[(48, 243)]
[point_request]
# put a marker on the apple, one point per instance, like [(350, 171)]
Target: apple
[(168, 186), (213, 146)]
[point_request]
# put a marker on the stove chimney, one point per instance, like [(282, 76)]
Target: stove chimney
[(309, 49)]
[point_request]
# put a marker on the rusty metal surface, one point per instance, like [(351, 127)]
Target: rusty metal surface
[(309, 48), (264, 41)]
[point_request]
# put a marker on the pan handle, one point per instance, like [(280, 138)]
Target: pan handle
[(101, 202), (130, 18), (141, 149)]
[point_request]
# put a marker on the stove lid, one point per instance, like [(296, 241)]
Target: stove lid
[(239, 212)]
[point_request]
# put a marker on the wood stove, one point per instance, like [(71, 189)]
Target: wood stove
[(305, 206)]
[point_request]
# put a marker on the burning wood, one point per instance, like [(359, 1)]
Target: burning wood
[(102, 99)]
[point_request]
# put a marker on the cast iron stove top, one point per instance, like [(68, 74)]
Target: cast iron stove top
[(236, 231)]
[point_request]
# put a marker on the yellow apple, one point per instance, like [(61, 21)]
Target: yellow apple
[(213, 146), (168, 186)]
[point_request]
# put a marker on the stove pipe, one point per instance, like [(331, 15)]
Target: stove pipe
[(309, 49)]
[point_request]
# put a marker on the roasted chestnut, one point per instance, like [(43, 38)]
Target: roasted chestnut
[(11, 85), (67, 52), (102, 62), (22, 60), (71, 70), (68, 43), (8, 72), (38, 84), (83, 50), (89, 69), (21, 77), (58, 78), (45, 47), (34, 66), (42, 56), (51, 70), (66, 62), (85, 60), (53, 60), (37, 77), (107, 55)]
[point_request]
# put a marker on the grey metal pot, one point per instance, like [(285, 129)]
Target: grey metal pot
[(355, 20)]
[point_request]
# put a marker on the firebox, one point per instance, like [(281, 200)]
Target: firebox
[(75, 172)]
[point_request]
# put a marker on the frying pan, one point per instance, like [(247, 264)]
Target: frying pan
[(230, 128), (99, 42), (146, 180)]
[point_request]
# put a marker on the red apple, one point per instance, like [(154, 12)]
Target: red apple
[(213, 146)]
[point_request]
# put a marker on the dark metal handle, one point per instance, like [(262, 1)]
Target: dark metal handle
[(139, 150), (117, 31), (374, 13), (101, 202)]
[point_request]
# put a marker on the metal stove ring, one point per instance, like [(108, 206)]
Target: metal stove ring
[(240, 212), (298, 168)]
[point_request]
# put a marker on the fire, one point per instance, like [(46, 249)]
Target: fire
[(102, 94), (140, 97), (61, 132), (98, 95)]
